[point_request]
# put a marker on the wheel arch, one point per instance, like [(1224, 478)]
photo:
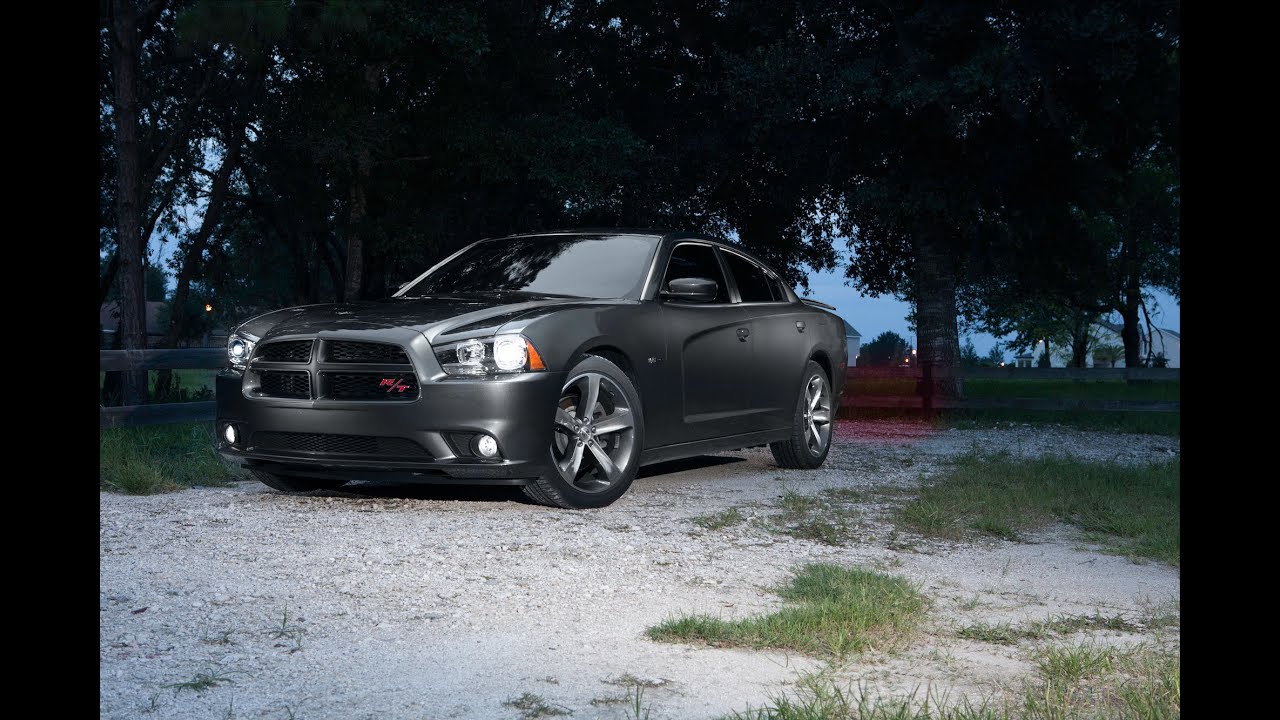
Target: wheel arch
[(617, 356), (820, 357)]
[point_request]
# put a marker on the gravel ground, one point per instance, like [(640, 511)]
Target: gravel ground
[(429, 602)]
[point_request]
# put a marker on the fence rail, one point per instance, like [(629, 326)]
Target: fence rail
[(188, 359)]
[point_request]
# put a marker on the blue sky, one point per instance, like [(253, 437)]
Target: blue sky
[(872, 316)]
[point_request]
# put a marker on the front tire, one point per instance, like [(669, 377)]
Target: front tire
[(599, 433), (810, 439), (293, 484)]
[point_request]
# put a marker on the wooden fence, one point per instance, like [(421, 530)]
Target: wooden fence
[(923, 394), (922, 398), (193, 359)]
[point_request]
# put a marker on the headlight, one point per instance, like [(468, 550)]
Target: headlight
[(239, 348), (502, 354)]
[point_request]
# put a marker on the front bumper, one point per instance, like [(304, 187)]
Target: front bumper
[(518, 411)]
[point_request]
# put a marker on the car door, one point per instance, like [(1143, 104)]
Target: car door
[(779, 343), (710, 342)]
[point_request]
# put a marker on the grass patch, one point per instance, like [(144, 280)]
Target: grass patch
[(151, 459), (1149, 423), (836, 611), (829, 520), (1007, 634), (1070, 682), (1131, 510), (1142, 423), (1099, 681), (200, 681), (533, 706), (979, 388), (718, 520)]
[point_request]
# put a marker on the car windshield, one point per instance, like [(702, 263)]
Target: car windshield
[(590, 266)]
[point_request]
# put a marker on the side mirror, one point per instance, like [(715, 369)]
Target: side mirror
[(697, 290)]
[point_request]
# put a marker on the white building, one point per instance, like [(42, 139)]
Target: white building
[(853, 339), (1164, 341)]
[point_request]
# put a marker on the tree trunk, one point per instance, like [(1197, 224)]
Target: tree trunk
[(194, 255), (1130, 334), (1080, 350), (937, 332), (1044, 360), (125, 59), (354, 285)]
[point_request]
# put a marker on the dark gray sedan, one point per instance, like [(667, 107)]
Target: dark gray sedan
[(560, 362)]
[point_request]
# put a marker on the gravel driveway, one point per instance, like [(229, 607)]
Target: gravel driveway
[(429, 602)]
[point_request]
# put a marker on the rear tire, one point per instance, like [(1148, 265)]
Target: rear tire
[(294, 484), (595, 451), (810, 439)]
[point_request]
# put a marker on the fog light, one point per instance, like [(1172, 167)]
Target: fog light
[(230, 434), (487, 446)]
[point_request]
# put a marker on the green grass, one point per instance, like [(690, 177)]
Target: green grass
[(1084, 681), (1141, 423), (981, 388), (1131, 510), (151, 459), (830, 519), (1007, 634), (1101, 681), (835, 611), (718, 520), (1149, 423)]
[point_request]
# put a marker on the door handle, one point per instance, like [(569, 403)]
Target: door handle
[(743, 333)]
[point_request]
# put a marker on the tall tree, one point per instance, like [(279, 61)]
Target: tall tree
[(888, 348)]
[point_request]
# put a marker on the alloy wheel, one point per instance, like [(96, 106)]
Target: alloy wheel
[(594, 432), (817, 414)]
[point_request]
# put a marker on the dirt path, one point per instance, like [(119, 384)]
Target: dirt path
[(420, 602)]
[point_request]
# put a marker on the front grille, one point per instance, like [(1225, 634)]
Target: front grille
[(285, 383), (338, 444), (290, 351), (370, 386), (343, 351)]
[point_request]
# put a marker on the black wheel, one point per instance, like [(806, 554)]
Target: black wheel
[(595, 450), (291, 483), (810, 438)]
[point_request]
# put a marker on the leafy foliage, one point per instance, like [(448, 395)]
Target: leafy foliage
[(969, 154), (887, 349)]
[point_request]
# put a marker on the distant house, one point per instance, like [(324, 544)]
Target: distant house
[(853, 339), (109, 320), (1163, 340)]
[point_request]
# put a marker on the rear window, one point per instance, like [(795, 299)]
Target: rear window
[(753, 284)]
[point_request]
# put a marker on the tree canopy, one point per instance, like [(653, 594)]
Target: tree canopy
[(983, 160)]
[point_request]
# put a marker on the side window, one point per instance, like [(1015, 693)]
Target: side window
[(775, 287), (753, 284), (696, 261)]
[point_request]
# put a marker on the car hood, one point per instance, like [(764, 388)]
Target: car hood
[(431, 316)]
